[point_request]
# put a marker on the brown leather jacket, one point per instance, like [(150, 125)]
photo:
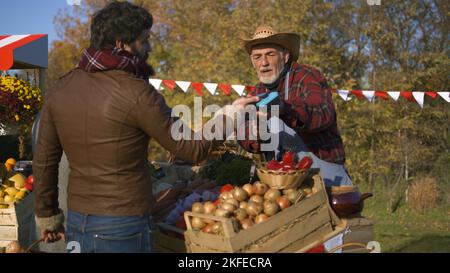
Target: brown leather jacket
[(104, 121)]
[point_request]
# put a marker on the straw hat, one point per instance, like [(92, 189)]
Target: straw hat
[(267, 35)]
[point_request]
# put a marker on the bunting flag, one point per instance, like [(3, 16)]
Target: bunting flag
[(156, 83), (369, 95), (183, 85), (225, 88), (169, 83), (419, 96), (445, 96), (211, 87), (198, 87), (239, 89), (346, 95), (394, 94)]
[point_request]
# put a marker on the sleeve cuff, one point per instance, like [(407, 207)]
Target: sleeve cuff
[(51, 223)]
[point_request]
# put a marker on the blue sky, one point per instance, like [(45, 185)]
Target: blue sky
[(30, 16)]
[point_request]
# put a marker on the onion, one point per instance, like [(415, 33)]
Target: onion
[(240, 214), (197, 223), (270, 208), (260, 188), (307, 191), (232, 201), (254, 209), (239, 194), (13, 247), (256, 199), (246, 223), (272, 194), (228, 207), (295, 196), (243, 205), (209, 208), (249, 189), (216, 228), (198, 207), (261, 218), (226, 195), (287, 191), (283, 202), (222, 213)]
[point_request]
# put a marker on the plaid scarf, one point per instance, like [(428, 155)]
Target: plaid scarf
[(110, 58)]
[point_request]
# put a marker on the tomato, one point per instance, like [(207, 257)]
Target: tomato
[(225, 188), (305, 163), (288, 158), (274, 165)]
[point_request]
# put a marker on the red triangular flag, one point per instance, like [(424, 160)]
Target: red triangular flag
[(408, 96), (198, 87), (382, 94), (432, 94), (169, 83), (225, 88), (249, 88), (358, 94)]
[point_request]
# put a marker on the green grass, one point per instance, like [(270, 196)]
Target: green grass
[(408, 231)]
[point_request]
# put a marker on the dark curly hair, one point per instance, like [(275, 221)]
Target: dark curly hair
[(119, 21)]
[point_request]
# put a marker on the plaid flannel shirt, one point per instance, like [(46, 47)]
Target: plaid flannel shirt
[(310, 111)]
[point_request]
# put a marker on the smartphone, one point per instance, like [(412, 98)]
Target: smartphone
[(267, 99)]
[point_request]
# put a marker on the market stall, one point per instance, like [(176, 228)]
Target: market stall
[(20, 101), (284, 207)]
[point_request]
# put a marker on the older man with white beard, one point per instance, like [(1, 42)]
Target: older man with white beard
[(307, 121)]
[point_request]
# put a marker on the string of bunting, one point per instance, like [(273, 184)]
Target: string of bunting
[(212, 88)]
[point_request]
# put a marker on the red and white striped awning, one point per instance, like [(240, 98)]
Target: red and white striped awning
[(23, 51)]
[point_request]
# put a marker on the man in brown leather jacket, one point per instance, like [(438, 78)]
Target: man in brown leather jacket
[(103, 114)]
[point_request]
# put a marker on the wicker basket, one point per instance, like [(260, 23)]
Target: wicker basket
[(280, 179)]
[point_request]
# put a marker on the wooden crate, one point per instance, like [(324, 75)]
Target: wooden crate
[(165, 243), (297, 225), (17, 222)]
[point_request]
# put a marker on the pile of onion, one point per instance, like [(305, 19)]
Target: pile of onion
[(246, 206)]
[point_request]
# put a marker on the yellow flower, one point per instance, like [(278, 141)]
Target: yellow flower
[(17, 117)]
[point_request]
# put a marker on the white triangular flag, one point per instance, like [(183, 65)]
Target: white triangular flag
[(344, 94), (445, 96), (394, 94), (239, 89), (156, 83), (369, 95), (211, 87), (183, 85), (419, 96)]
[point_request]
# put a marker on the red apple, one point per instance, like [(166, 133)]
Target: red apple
[(28, 186), (30, 179)]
